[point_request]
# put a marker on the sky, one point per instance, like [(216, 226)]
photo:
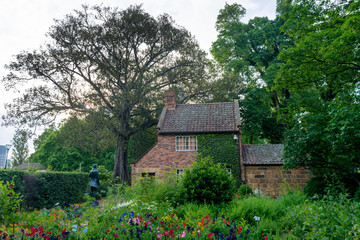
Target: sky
[(24, 24)]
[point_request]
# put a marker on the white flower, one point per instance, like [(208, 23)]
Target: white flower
[(257, 218)]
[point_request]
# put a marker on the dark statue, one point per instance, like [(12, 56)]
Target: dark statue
[(94, 182)]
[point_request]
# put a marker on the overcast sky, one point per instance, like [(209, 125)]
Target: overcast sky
[(23, 24)]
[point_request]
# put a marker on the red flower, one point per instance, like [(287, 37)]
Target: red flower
[(266, 238), (184, 224), (107, 231), (33, 231), (172, 215), (210, 235), (171, 233), (41, 230), (239, 231), (11, 186), (152, 220), (116, 235)]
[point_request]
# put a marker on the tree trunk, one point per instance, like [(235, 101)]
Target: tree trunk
[(121, 170)]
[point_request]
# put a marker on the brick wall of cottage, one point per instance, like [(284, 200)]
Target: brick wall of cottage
[(162, 157), (272, 180)]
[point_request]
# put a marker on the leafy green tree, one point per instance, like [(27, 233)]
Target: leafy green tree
[(20, 147), (75, 142), (249, 52), (327, 142), (321, 70), (326, 54), (87, 142), (111, 63)]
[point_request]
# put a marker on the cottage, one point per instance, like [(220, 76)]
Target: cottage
[(260, 166)]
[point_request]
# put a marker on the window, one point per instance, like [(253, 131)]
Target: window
[(150, 175), (186, 143), (179, 171)]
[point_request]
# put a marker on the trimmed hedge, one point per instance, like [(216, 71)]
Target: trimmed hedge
[(45, 189)]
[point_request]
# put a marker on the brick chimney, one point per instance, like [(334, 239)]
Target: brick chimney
[(170, 99)]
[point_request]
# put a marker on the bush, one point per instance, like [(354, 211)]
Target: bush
[(315, 186), (324, 219), (9, 202), (245, 190), (149, 189), (207, 182), (357, 195)]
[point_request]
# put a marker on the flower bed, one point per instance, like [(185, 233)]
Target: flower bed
[(82, 222)]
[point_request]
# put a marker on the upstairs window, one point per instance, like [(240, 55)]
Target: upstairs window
[(186, 143)]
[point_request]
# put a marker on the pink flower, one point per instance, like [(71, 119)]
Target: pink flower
[(183, 234)]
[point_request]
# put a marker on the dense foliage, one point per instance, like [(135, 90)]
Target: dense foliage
[(207, 182), (9, 202), (85, 142), (321, 71), (125, 214), (45, 189), (248, 53), (221, 148)]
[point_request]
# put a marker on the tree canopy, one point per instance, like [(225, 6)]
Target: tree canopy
[(321, 70), (109, 62), (248, 52)]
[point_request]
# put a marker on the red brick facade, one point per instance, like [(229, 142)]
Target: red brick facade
[(161, 157), (257, 162)]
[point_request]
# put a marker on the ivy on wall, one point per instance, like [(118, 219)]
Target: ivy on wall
[(222, 148)]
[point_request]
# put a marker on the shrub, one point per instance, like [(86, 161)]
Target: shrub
[(207, 182), (245, 190), (106, 180), (262, 207), (9, 202), (315, 186), (324, 219), (357, 195), (149, 189)]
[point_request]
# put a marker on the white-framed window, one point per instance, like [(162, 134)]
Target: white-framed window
[(185, 143), (180, 171)]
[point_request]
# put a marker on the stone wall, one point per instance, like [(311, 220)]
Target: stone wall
[(162, 157), (271, 180)]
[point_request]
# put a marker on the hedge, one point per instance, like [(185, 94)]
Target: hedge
[(45, 189)]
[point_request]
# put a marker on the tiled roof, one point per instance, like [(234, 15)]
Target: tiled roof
[(262, 154), (200, 118)]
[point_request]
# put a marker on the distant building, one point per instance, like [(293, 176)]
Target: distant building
[(3, 155), (26, 166)]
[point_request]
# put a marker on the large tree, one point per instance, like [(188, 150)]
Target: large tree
[(20, 147), (249, 53), (110, 62), (321, 70)]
